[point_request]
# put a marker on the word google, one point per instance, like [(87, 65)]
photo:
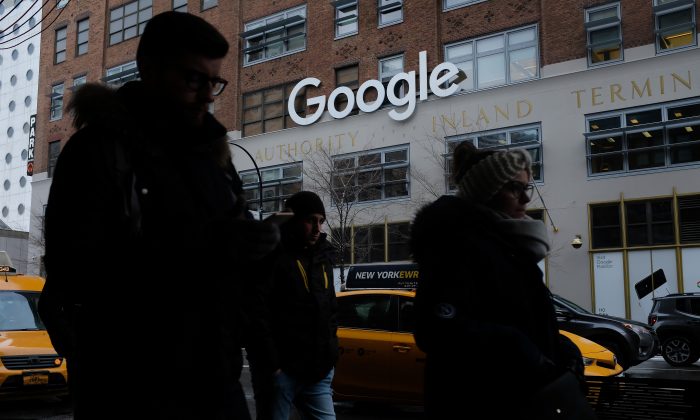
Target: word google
[(441, 74)]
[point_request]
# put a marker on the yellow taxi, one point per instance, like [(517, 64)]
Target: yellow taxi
[(379, 359), (29, 365)]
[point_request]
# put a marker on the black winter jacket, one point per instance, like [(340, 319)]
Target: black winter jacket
[(142, 276), (293, 312), (485, 318)]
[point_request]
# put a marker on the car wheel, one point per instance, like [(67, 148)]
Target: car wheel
[(678, 351), (620, 355)]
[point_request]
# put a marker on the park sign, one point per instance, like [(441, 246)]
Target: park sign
[(382, 276), (438, 78)]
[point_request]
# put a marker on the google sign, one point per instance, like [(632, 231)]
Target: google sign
[(441, 74)]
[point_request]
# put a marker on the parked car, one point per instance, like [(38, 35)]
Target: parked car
[(29, 365), (379, 359), (632, 342), (676, 320)]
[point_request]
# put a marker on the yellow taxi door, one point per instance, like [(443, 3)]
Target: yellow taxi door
[(366, 344)]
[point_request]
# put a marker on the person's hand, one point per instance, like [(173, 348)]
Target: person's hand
[(255, 239)]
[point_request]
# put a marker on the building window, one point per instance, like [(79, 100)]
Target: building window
[(60, 45), (397, 247), (347, 76), (129, 20), (644, 138), (56, 102), (266, 110), (279, 183), (60, 4), (388, 68), (279, 34), (371, 175), (526, 137), (675, 24), (346, 13), (83, 32), (604, 34), (80, 80), (453, 4), (208, 4), (606, 228), (649, 222), (180, 6), (54, 150), (118, 75), (496, 60), (389, 11), (378, 243), (689, 219)]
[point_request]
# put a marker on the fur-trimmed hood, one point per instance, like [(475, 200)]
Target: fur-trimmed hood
[(130, 108), (93, 102)]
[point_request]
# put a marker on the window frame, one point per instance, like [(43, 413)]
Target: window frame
[(448, 5), (678, 224), (179, 6), (121, 74), (354, 172), (56, 101), (60, 44), (507, 51), (282, 21), (140, 20), (277, 182), (338, 20), (79, 81), (354, 85), (86, 32), (599, 25), (400, 88), (452, 141), (623, 131), (208, 4), (54, 149), (287, 121), (649, 223), (664, 9), (390, 7)]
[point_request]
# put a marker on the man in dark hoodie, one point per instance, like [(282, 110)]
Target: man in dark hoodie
[(144, 277), (294, 345)]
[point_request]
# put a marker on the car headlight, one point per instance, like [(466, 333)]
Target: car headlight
[(587, 361)]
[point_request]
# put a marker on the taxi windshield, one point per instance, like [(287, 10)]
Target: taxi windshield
[(18, 311)]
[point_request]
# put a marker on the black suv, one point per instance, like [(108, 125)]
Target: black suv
[(632, 342), (676, 319)]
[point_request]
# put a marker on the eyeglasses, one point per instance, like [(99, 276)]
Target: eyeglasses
[(519, 189), (196, 80)]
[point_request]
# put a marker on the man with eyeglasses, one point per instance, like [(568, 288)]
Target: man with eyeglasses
[(148, 239)]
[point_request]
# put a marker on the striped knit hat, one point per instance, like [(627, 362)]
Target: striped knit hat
[(486, 177)]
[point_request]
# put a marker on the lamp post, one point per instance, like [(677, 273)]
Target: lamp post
[(260, 182)]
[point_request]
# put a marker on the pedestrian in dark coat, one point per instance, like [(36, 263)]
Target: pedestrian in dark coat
[(485, 317), (147, 238), (294, 345)]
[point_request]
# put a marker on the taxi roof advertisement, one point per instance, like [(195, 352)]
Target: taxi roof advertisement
[(382, 276)]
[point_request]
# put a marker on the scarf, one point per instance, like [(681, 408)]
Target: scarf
[(527, 233)]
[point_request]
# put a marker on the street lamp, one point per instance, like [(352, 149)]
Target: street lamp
[(260, 182)]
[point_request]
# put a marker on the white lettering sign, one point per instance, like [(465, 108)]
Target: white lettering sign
[(441, 75)]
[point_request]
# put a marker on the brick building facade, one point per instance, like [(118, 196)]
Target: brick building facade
[(603, 93)]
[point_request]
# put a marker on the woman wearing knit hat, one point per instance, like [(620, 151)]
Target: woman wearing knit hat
[(485, 318)]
